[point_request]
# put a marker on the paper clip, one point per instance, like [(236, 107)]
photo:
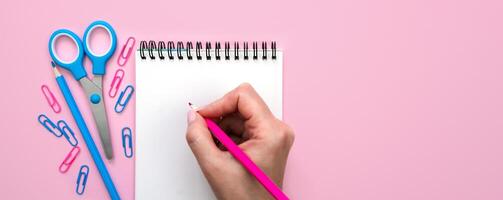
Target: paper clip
[(49, 125), (68, 133), (51, 100), (126, 95), (82, 179), (70, 157), (122, 59), (127, 138), (116, 83)]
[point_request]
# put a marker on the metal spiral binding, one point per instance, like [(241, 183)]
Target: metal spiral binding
[(162, 45), (199, 46), (143, 45), (185, 50), (255, 50), (189, 49), (246, 50), (179, 47), (151, 43), (208, 50), (264, 50), (171, 46), (226, 50), (236, 51), (217, 50)]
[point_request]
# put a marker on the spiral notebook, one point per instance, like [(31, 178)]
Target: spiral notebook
[(168, 76)]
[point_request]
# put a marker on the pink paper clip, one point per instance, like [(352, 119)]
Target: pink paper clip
[(116, 83), (70, 157), (51, 100), (122, 59)]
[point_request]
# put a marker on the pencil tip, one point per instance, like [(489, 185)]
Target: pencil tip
[(192, 106), (55, 70)]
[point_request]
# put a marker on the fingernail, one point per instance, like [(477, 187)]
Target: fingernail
[(191, 116)]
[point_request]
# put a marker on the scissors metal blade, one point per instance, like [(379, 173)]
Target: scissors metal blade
[(98, 81), (99, 114)]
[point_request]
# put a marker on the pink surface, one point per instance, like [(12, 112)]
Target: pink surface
[(389, 99)]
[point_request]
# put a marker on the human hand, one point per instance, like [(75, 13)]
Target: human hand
[(266, 140)]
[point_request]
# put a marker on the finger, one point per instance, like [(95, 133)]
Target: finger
[(244, 99), (200, 139)]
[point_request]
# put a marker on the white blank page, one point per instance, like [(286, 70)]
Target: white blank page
[(165, 166)]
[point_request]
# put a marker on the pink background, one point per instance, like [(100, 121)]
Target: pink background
[(389, 99)]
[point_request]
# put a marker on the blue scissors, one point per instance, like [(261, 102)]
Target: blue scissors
[(93, 88)]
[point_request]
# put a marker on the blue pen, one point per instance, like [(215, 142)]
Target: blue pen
[(112, 191)]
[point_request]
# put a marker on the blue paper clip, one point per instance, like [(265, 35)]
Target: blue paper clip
[(127, 138), (49, 125), (68, 133), (82, 179), (126, 95)]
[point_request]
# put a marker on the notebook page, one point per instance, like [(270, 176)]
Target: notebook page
[(165, 166)]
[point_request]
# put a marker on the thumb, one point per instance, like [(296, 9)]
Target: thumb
[(199, 138)]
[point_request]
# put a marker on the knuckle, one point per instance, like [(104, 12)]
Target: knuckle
[(286, 134), (191, 135), (245, 88), (245, 85)]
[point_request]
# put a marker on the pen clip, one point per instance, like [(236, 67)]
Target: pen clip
[(51, 100), (122, 59), (82, 179), (116, 83), (127, 142), (49, 125), (124, 98), (68, 133), (68, 161)]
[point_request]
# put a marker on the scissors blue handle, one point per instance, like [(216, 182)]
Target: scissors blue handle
[(76, 66), (100, 60)]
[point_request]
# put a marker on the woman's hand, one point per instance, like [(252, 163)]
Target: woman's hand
[(244, 116)]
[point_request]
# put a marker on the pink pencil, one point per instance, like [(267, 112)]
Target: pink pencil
[(235, 151)]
